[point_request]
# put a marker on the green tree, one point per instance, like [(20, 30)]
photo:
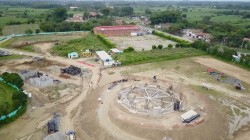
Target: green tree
[(127, 11), (1, 30), (59, 14), (31, 21), (28, 32), (165, 17), (148, 11), (105, 11), (86, 15), (13, 78)]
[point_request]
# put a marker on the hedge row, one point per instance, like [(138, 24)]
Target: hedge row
[(182, 43), (106, 41), (217, 51)]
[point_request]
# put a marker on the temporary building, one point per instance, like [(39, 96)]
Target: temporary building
[(104, 56), (116, 51), (189, 116), (87, 53), (73, 55)]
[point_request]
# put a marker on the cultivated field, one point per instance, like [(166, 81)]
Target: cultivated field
[(19, 29)]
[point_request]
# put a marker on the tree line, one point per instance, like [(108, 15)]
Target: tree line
[(18, 97)]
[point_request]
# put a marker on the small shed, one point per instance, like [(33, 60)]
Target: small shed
[(87, 53), (104, 56), (116, 51), (189, 116), (73, 55)]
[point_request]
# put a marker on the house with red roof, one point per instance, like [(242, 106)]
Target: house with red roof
[(124, 30)]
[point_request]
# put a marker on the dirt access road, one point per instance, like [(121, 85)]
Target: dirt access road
[(232, 70), (40, 116)]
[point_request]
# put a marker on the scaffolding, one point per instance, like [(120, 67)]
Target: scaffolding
[(149, 100)]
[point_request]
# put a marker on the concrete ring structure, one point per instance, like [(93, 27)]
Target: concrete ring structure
[(149, 100)]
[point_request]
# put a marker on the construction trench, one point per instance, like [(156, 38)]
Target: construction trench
[(108, 104)]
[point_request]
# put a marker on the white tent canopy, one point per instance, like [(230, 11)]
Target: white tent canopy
[(114, 50), (189, 116)]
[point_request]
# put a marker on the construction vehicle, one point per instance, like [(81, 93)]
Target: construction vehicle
[(71, 135), (53, 124)]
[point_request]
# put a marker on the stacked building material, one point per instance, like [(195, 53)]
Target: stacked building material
[(25, 74), (41, 81), (71, 70)]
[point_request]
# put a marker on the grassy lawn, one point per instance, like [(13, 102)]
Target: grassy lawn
[(28, 48), (6, 43), (157, 55), (19, 29), (89, 41), (6, 92)]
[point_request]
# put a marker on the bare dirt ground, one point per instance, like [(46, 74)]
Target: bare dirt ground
[(80, 109), (140, 42), (44, 48), (225, 68)]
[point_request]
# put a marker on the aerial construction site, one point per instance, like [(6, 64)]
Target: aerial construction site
[(100, 72), (79, 97)]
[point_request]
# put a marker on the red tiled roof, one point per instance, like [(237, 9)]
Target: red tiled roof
[(111, 28)]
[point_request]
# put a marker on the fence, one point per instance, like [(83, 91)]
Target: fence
[(10, 114), (13, 113)]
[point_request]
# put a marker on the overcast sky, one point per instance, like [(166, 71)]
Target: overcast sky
[(163, 0)]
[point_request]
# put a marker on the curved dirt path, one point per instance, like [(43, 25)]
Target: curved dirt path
[(105, 122), (39, 117)]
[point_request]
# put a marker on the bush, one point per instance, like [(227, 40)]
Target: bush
[(28, 32), (154, 47), (14, 23), (37, 31), (170, 46), (129, 49), (160, 46), (170, 37), (105, 41)]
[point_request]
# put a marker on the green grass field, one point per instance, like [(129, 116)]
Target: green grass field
[(196, 13), (6, 19), (6, 93), (19, 29), (89, 41), (157, 55), (10, 57), (13, 13)]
